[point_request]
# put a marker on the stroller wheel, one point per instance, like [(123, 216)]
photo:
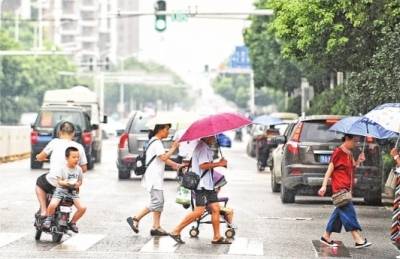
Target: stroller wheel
[(194, 232), (230, 233)]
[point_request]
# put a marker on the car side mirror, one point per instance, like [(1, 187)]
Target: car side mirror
[(105, 119), (95, 127), (279, 139)]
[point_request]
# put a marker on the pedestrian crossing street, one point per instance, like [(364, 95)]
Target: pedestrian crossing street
[(19, 242)]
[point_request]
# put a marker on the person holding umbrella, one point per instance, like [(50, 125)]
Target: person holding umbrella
[(341, 173), (202, 164), (206, 195)]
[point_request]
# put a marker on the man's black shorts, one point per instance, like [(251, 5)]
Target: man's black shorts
[(204, 197), (44, 184)]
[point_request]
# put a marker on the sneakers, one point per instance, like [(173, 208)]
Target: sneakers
[(73, 227), (328, 243), (365, 244), (47, 223), (158, 232)]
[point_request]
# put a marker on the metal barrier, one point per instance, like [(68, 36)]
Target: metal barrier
[(14, 143)]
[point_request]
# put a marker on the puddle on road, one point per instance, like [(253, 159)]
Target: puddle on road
[(324, 251)]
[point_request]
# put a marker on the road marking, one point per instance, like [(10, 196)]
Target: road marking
[(160, 245), (325, 251), (7, 238), (288, 218), (244, 246), (80, 242)]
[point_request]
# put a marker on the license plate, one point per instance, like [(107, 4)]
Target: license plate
[(324, 159), (65, 209)]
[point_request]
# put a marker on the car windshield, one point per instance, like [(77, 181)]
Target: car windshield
[(318, 132), (49, 119)]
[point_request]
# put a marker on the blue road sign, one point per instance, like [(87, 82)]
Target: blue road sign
[(240, 58)]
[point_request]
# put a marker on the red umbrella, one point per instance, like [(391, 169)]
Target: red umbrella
[(213, 125)]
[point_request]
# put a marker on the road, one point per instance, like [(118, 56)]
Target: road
[(266, 228)]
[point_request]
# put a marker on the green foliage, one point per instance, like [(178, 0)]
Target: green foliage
[(24, 79), (327, 33), (294, 105), (236, 88), (380, 82), (330, 101)]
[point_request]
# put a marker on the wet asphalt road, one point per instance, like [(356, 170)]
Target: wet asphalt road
[(266, 228)]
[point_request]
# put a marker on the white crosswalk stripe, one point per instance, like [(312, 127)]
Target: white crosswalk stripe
[(244, 246), (8, 238), (160, 245), (80, 242)]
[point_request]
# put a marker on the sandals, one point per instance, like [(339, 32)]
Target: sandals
[(221, 241), (328, 243), (177, 238), (133, 223)]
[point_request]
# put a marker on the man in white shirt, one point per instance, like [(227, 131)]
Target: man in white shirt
[(206, 195), (153, 179)]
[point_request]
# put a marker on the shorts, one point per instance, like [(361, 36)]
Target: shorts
[(61, 193), (44, 184), (204, 197), (156, 200)]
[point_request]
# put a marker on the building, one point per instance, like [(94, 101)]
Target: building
[(89, 29)]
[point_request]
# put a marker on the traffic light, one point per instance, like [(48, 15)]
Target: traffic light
[(161, 20)]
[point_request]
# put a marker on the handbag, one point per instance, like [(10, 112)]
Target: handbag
[(189, 179), (343, 197), (183, 196)]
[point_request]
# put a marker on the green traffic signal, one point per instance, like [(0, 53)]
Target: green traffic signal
[(161, 20)]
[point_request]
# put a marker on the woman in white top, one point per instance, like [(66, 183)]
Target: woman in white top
[(153, 179), (46, 183)]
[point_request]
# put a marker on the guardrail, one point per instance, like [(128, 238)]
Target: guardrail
[(14, 143)]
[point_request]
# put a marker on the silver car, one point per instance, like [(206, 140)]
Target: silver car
[(131, 144)]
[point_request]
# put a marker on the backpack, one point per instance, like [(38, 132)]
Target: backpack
[(141, 165)]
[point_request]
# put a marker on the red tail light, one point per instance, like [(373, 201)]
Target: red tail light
[(87, 138), (295, 172), (297, 132), (123, 141), (34, 137), (293, 144)]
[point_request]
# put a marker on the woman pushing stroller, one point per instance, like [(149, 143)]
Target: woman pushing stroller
[(202, 165)]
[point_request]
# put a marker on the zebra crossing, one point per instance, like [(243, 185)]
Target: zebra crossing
[(15, 242)]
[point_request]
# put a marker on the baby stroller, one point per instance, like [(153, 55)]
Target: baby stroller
[(219, 181)]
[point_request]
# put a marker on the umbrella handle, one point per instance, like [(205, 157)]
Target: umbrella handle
[(397, 141), (363, 148)]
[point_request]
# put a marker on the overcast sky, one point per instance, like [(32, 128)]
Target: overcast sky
[(187, 46)]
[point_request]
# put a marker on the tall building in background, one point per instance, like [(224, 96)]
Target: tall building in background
[(85, 28)]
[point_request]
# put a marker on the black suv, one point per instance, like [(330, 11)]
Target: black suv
[(306, 155), (43, 130)]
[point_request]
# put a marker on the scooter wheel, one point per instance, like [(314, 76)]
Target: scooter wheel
[(230, 233), (56, 237), (38, 234), (194, 232)]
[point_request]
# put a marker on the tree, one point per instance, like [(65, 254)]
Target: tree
[(380, 82), (327, 33)]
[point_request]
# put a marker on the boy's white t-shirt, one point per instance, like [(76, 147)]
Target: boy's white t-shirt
[(154, 176), (56, 148)]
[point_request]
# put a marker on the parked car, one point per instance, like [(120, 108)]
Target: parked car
[(306, 155), (43, 130), (131, 144)]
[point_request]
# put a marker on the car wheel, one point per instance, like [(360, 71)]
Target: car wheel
[(124, 174), (287, 195), (274, 185), (373, 198), (35, 164)]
